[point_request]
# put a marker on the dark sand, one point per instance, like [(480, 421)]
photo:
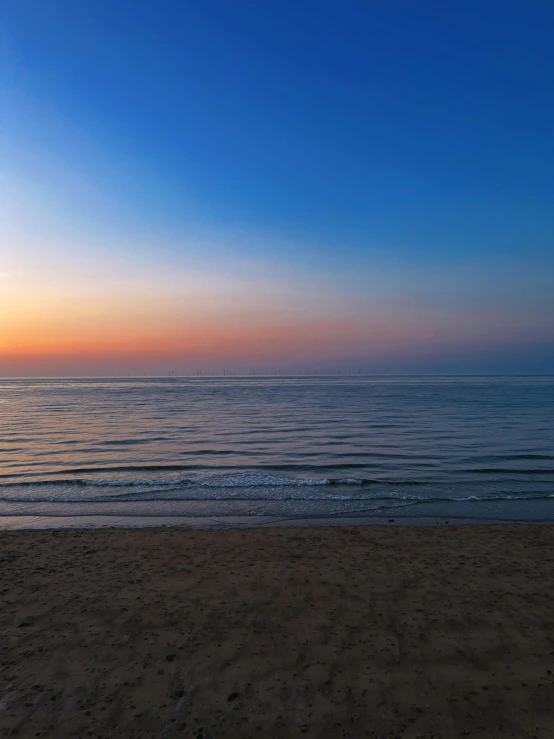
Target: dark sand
[(354, 632)]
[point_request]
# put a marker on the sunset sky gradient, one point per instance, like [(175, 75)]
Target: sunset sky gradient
[(258, 185)]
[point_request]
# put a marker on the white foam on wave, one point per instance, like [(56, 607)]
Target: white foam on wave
[(239, 480), (235, 480), (130, 483), (256, 479)]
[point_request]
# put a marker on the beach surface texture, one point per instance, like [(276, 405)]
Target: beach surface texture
[(345, 632)]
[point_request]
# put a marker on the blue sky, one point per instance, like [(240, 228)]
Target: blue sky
[(388, 157)]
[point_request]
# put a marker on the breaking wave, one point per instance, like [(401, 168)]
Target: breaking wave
[(244, 486)]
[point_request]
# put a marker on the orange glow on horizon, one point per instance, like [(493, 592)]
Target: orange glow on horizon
[(223, 338), (84, 326), (57, 324)]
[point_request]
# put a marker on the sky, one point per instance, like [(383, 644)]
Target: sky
[(303, 185)]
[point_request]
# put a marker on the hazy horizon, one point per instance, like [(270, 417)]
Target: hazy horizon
[(277, 374)]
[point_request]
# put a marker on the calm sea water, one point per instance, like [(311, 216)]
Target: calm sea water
[(267, 449)]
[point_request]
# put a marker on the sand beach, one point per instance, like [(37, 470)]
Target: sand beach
[(366, 631)]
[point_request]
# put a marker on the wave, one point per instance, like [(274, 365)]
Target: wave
[(238, 480), (508, 471), (77, 475), (131, 442), (242, 486), (162, 468), (393, 499), (511, 457)]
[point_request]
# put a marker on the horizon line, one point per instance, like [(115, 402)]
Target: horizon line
[(231, 375)]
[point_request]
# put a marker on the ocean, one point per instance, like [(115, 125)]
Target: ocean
[(246, 451)]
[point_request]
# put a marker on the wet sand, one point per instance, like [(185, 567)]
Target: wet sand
[(328, 632)]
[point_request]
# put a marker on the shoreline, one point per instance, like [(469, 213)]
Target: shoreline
[(228, 523), (245, 513), (85, 523), (353, 631)]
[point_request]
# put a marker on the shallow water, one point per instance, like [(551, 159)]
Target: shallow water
[(272, 448)]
